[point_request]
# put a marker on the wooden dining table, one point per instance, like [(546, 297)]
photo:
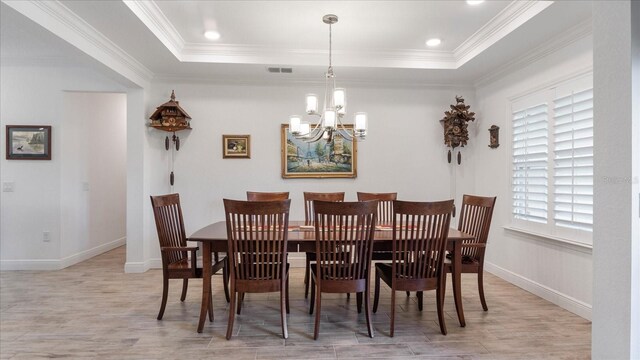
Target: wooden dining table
[(213, 238)]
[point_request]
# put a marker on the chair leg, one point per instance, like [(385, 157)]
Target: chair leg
[(376, 293), (313, 295), (185, 284), (165, 292), (306, 274), (392, 313), (284, 306), (286, 293), (408, 293), (240, 301), (367, 307), (211, 306), (225, 278), (316, 328), (481, 289), (232, 309), (440, 305), (419, 295), (359, 302)]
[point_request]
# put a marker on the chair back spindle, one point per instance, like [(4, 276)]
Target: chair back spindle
[(385, 205), (170, 225), (475, 219), (310, 197)]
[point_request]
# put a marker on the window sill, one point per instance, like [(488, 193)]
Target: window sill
[(548, 237)]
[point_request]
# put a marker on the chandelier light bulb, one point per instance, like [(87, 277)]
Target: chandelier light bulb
[(312, 103), (305, 129), (474, 2), (329, 118), (360, 121), (294, 124), (340, 100)]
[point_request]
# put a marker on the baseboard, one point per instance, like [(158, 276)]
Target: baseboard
[(58, 264), (564, 301), (30, 264), (88, 254)]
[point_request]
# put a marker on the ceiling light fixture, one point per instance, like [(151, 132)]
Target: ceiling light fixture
[(212, 35), (329, 122), (474, 2), (433, 42)]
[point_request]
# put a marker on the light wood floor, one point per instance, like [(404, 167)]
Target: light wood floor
[(94, 311)]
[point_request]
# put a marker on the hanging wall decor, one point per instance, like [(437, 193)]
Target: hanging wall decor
[(494, 136), (455, 126), (171, 117)]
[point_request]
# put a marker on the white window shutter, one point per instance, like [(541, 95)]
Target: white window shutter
[(530, 155), (573, 161)]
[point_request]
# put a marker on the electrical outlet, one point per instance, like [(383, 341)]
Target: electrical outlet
[(8, 186), (46, 236)]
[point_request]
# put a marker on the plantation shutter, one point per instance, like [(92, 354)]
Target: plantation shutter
[(573, 160), (530, 163)]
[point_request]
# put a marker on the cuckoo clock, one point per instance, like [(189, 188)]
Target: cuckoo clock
[(171, 117), (455, 126)]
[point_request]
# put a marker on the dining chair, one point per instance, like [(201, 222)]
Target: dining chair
[(385, 215), (420, 231), (257, 234), (342, 228), (267, 196), (309, 198), (176, 263), (475, 219)]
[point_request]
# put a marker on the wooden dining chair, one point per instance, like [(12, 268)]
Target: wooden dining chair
[(309, 198), (257, 234), (267, 196), (420, 231), (176, 263), (475, 219), (342, 228), (385, 215)]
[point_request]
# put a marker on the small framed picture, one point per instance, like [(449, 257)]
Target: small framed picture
[(28, 142), (236, 146)]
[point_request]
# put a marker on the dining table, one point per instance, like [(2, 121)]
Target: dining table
[(301, 238)]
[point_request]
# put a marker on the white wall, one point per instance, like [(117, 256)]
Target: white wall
[(35, 95), (404, 150), (616, 263), (553, 270), (93, 169)]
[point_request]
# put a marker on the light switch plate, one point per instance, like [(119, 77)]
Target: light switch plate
[(8, 186)]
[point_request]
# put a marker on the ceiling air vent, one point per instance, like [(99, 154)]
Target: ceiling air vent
[(280, 70)]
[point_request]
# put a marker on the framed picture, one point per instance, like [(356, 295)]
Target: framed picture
[(320, 159), (28, 142), (236, 146)]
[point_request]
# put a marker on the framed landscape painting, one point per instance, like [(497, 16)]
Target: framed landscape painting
[(236, 146), (320, 159), (28, 142)]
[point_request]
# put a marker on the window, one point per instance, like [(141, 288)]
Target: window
[(552, 161)]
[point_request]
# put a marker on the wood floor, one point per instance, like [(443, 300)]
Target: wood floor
[(94, 311)]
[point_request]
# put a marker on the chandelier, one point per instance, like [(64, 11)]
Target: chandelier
[(329, 119)]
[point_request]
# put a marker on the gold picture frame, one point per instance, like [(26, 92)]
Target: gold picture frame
[(338, 159), (236, 146)]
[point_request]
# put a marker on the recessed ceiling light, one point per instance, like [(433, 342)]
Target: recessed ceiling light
[(212, 35), (433, 42), (474, 2)]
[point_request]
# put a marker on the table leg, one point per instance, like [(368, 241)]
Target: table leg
[(206, 283), (457, 274)]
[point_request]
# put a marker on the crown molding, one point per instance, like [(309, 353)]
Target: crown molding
[(282, 81), (567, 38), (154, 19), (509, 19), (64, 23), (252, 54)]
